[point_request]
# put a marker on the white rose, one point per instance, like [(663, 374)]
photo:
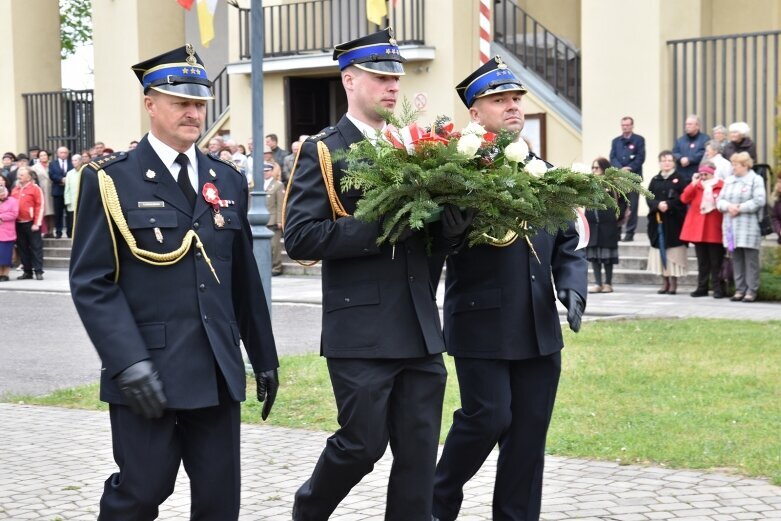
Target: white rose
[(473, 128), (468, 144), (517, 152), (580, 168), (536, 167)]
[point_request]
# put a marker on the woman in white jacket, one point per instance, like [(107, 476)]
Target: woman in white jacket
[(740, 200)]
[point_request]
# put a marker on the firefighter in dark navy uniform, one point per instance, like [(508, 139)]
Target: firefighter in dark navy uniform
[(164, 280), (381, 330), (502, 328)]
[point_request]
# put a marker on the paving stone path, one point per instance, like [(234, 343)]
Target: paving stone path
[(53, 462)]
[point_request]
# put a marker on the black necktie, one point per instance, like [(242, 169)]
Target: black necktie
[(184, 180)]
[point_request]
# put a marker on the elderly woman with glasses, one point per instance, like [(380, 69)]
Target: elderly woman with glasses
[(740, 200), (605, 228), (702, 227)]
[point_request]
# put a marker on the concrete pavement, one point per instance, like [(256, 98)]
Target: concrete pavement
[(53, 461)]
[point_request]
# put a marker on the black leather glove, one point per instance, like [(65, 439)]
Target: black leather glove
[(575, 307), (268, 383), (455, 222), (142, 389)]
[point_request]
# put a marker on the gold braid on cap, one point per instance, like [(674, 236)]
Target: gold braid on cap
[(110, 199)]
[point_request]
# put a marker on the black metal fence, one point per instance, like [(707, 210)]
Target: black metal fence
[(724, 79), (316, 26), (61, 118), (217, 107), (540, 50)]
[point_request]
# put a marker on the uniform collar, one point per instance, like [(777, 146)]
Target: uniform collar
[(364, 128), (168, 155)]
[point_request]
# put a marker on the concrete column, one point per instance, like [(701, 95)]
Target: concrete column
[(29, 62), (626, 71), (126, 33)]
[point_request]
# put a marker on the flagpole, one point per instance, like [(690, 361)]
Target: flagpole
[(258, 214)]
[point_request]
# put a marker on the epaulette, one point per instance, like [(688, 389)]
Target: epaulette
[(226, 161), (103, 162), (324, 133)]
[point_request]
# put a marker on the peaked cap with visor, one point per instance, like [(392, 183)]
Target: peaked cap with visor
[(378, 53), (179, 72), (491, 77)]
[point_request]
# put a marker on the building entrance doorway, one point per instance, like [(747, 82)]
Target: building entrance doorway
[(314, 103)]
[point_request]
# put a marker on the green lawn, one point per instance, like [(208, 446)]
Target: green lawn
[(692, 393)]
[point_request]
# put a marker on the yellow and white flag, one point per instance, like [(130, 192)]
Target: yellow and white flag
[(376, 10), (206, 10)]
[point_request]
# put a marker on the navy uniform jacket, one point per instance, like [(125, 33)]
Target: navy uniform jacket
[(178, 315), (628, 151), (376, 304), (500, 302)]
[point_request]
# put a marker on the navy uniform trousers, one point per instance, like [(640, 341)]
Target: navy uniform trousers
[(380, 401), (149, 452), (509, 402)]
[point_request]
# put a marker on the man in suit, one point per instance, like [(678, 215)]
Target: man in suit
[(627, 152), (275, 193), (690, 148), (502, 327), (381, 331), (58, 169), (163, 277)]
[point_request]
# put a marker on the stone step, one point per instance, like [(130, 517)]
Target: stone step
[(625, 276), (57, 243), (56, 262), (60, 253), (641, 263)]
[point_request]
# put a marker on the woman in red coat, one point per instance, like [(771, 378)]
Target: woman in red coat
[(702, 226)]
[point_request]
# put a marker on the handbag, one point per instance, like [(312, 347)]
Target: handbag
[(765, 228)]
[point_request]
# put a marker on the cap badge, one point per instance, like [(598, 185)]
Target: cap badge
[(390, 32), (392, 41), (190, 55), (499, 63)]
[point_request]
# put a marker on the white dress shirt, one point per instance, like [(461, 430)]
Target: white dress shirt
[(168, 156)]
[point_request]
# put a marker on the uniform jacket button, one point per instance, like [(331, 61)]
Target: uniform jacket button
[(347, 299), (534, 277), (198, 255), (202, 287), (472, 304), (152, 220), (196, 225)]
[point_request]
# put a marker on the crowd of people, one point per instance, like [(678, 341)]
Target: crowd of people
[(706, 193), (38, 196)]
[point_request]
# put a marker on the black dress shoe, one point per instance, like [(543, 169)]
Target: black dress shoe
[(718, 294), (699, 293), (4, 278), (24, 276), (628, 238), (39, 276)]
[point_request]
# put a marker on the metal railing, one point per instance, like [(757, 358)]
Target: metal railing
[(217, 107), (552, 58), (316, 26), (60, 118), (724, 79)]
